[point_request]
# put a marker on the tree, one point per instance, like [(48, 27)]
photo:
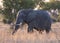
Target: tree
[(52, 5), (39, 3), (11, 7)]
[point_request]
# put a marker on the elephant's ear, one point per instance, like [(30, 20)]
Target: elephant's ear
[(19, 12)]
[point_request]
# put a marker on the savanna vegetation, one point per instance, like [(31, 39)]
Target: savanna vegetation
[(11, 7)]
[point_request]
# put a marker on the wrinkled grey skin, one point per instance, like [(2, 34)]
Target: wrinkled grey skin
[(36, 19)]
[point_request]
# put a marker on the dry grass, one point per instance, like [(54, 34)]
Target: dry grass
[(21, 36)]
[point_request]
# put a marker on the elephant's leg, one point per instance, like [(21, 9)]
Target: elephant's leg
[(48, 29), (40, 31), (30, 28)]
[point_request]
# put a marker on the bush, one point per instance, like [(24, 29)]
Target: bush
[(9, 5), (7, 21), (58, 19)]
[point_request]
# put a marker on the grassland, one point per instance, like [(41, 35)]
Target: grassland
[(22, 36)]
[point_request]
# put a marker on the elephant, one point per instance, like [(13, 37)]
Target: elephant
[(35, 19)]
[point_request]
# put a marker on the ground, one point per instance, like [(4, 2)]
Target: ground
[(21, 36)]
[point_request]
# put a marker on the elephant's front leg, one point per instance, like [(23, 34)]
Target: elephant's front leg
[(30, 28)]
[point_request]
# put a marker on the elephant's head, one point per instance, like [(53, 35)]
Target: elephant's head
[(21, 17)]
